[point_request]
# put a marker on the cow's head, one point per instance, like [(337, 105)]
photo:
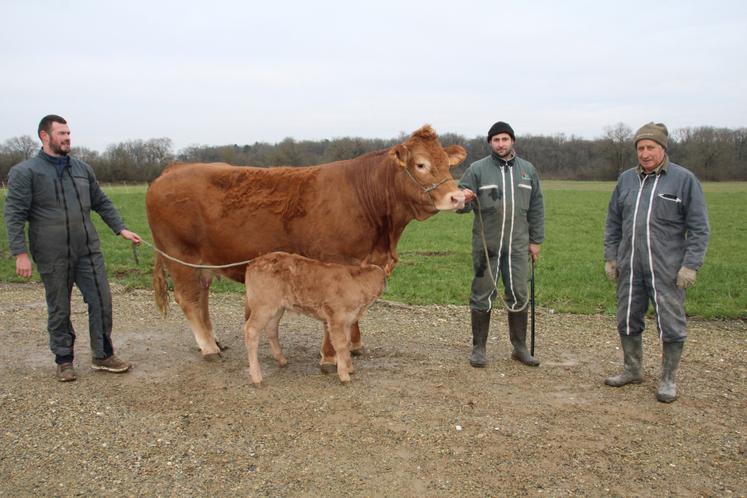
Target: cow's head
[(425, 165)]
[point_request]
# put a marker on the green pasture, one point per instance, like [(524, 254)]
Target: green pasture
[(435, 263)]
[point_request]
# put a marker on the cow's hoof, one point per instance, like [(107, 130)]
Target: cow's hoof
[(283, 363), (358, 352), (328, 368), (345, 381), (212, 357)]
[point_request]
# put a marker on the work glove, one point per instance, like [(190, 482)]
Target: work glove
[(610, 268), (685, 277)]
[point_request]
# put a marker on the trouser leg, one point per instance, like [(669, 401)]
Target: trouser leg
[(670, 312), (515, 276), (58, 284), (90, 277)]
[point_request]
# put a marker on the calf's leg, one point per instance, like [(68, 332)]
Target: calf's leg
[(272, 335), (252, 329), (339, 338)]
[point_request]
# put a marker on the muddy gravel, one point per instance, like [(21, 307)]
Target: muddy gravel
[(416, 420)]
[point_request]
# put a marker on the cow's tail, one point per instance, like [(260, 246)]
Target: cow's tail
[(160, 286)]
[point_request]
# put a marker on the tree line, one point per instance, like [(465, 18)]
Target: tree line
[(713, 154)]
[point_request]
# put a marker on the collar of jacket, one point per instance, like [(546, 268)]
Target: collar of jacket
[(662, 168), (502, 162), (59, 162)]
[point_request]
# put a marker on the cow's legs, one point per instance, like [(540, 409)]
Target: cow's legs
[(192, 297), (356, 343), (339, 338), (327, 363)]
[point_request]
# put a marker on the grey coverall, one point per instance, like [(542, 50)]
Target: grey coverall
[(509, 199), (656, 224), (55, 195)]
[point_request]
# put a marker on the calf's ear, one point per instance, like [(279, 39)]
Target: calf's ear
[(456, 154), (400, 154)]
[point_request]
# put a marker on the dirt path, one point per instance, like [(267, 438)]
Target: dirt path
[(415, 421)]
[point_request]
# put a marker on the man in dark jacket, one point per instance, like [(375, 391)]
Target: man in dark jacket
[(505, 193), (55, 194), (654, 243)]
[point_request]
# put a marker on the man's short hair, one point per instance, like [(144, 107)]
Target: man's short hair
[(46, 123)]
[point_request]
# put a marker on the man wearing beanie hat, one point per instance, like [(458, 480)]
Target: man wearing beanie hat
[(655, 240), (504, 192)]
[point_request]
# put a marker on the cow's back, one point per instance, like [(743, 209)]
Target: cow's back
[(220, 214)]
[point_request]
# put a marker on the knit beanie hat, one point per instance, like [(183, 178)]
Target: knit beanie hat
[(501, 127), (652, 131)]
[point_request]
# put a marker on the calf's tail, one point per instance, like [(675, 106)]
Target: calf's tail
[(160, 287)]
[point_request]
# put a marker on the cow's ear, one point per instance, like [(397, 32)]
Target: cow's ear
[(456, 154), (400, 154)]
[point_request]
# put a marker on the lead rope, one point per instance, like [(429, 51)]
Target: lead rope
[(191, 265)]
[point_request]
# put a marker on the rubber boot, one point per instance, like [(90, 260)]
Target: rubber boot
[(633, 360), (517, 330), (669, 364), (480, 328)]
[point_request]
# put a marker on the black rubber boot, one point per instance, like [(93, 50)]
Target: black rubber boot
[(480, 328), (669, 364), (517, 331), (633, 361)]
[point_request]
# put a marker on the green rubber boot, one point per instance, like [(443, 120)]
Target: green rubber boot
[(633, 359), (480, 328), (517, 330), (670, 362)]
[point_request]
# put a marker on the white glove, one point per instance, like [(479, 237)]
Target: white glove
[(610, 268), (686, 277)]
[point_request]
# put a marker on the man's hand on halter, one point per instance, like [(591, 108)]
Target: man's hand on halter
[(468, 195)]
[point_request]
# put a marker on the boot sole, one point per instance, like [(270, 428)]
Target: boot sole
[(478, 365), (624, 383), (109, 369)]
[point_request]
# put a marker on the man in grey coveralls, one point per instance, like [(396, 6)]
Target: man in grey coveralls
[(505, 193), (55, 194), (654, 243)]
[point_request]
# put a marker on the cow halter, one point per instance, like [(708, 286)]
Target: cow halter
[(427, 188)]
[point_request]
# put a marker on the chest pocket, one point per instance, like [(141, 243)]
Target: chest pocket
[(523, 196), (668, 208), (490, 197), (83, 187), (45, 190)]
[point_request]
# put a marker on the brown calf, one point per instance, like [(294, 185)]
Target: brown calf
[(336, 294)]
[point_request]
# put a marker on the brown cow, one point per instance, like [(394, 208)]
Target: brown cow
[(344, 212), (338, 295)]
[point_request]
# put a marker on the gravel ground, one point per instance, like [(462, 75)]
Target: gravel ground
[(416, 420)]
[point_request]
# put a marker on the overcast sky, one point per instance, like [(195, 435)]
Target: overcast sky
[(221, 72)]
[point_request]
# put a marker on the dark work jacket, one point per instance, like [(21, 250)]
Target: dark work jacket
[(660, 218), (57, 207)]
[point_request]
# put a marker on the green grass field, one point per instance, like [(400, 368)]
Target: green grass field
[(435, 264)]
